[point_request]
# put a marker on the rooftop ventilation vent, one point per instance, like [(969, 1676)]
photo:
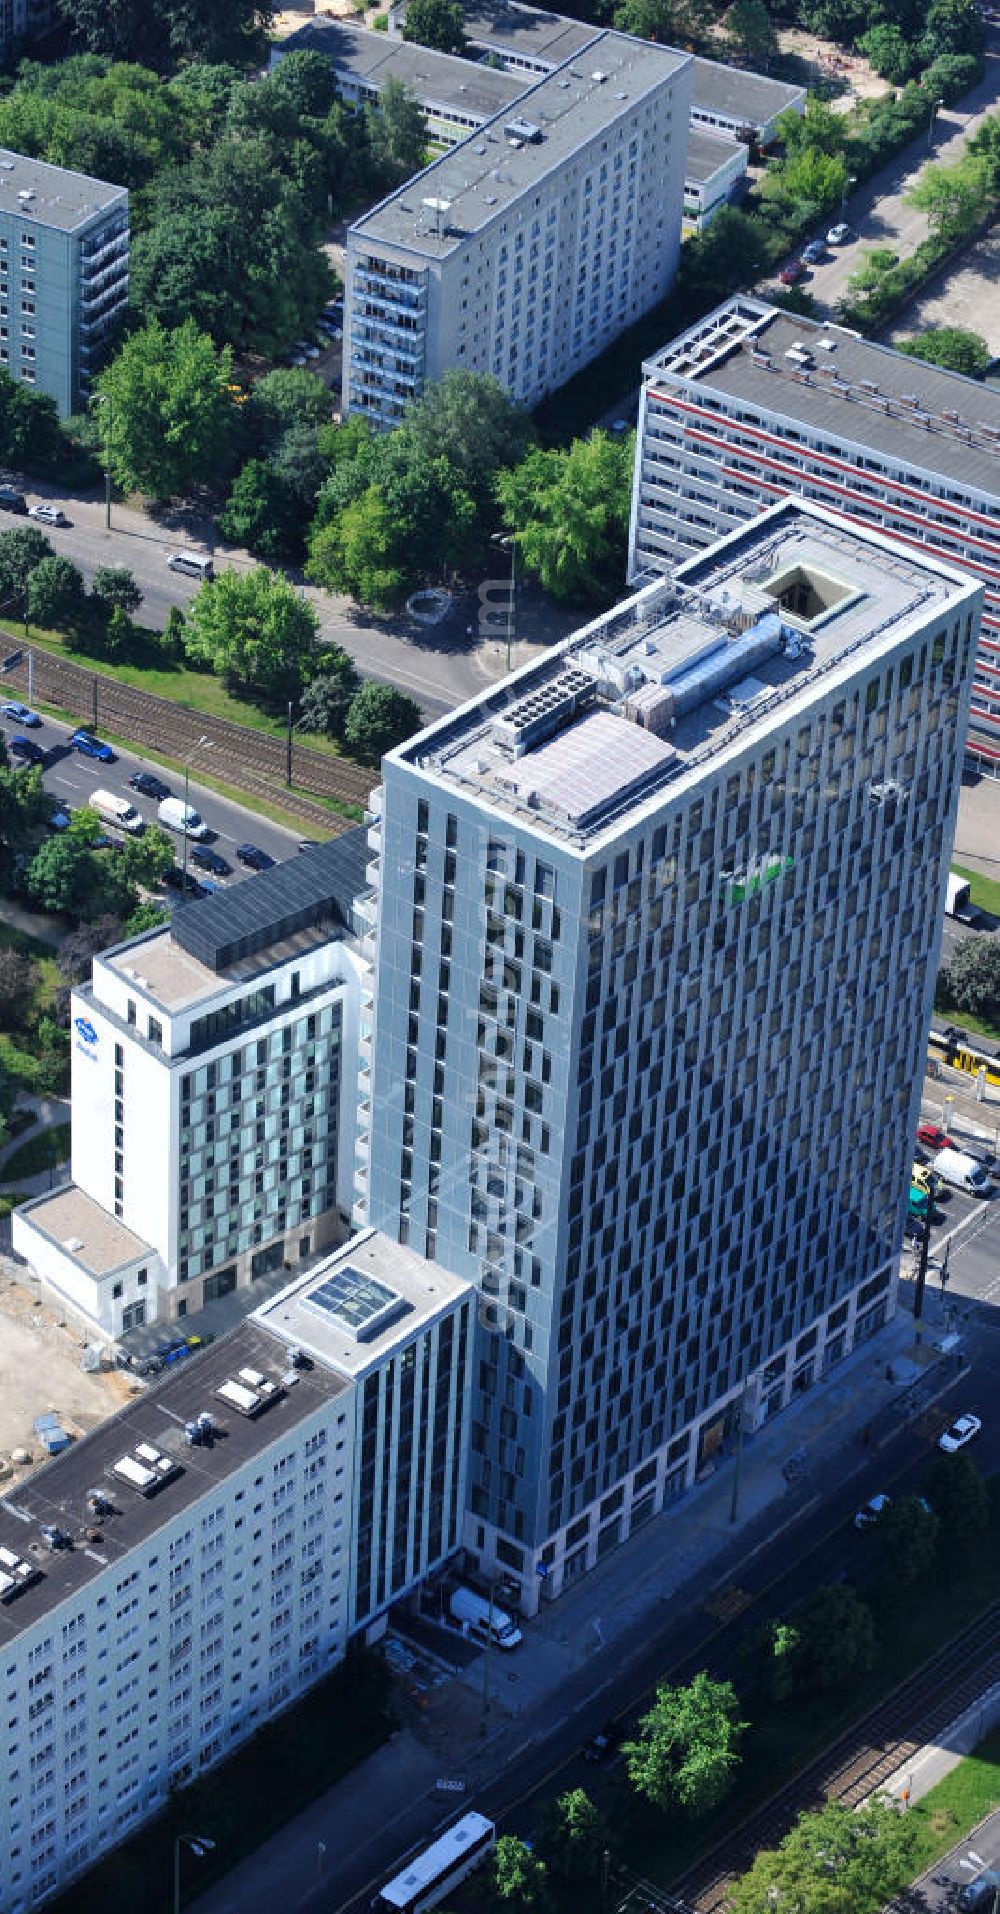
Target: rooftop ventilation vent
[(15, 1575), (249, 1393), (146, 1469)]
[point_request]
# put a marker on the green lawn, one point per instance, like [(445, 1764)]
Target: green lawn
[(197, 691), (985, 890), (976, 1026), (958, 1803), (41, 1152)]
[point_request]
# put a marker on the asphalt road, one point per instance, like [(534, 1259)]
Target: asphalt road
[(71, 778), (439, 665), (878, 213)]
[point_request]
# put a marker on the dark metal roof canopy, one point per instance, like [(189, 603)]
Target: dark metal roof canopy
[(317, 887)]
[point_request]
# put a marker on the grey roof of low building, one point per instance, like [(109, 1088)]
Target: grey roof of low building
[(531, 31), (441, 80), (317, 887), (847, 410), (59, 199), (708, 153), (480, 179), (58, 1494), (749, 99)]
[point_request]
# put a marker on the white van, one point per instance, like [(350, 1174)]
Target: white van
[(178, 816), (962, 1172), (117, 811), (193, 563), (481, 1620)]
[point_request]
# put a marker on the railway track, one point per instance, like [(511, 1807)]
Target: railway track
[(251, 761), (860, 1761)]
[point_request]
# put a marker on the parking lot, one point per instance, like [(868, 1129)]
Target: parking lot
[(40, 1353)]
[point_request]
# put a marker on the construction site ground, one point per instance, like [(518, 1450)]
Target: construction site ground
[(40, 1352)]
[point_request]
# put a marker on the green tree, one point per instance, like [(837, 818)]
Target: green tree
[(952, 196), (25, 809), (30, 434), (397, 129), (887, 49), (327, 697), (951, 75), (467, 419), (686, 1754), (115, 585), (960, 1500), (285, 397), (144, 917), (171, 410), (572, 1836), (972, 976), (56, 595), (254, 628), (950, 27), (518, 1877), (436, 23), (21, 550), (949, 346), (836, 1639), (356, 552), (749, 33), (769, 1657), (906, 1538), (143, 861), (379, 717), (262, 513), (19, 980), (569, 512), (160, 31), (306, 78), (834, 1859), (68, 875)]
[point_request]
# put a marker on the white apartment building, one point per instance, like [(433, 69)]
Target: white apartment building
[(752, 404), (657, 933), (525, 250), (188, 1570), (713, 171), (214, 1078)]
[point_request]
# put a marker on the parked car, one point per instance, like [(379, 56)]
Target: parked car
[(306, 346), (209, 860), (790, 275), (873, 1508), (26, 749), (297, 359), (177, 879), (814, 252), (48, 514), (59, 819), (91, 747), (150, 785), (254, 858), (11, 500), (838, 235), (934, 1138), (21, 713), (963, 1430), (980, 1893)]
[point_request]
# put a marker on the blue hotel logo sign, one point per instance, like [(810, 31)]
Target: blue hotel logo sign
[(86, 1036)]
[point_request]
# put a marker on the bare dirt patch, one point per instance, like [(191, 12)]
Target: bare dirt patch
[(40, 1351)]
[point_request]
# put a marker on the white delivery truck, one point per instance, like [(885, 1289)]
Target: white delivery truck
[(958, 902), (962, 1172), (481, 1621), (117, 811), (178, 816)]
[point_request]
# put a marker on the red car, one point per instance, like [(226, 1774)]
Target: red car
[(934, 1138), (790, 275)]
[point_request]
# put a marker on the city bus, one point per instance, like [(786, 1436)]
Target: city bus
[(431, 1874)]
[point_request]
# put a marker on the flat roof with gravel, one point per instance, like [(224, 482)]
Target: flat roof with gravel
[(369, 59), (353, 1305), (94, 1238), (47, 195)]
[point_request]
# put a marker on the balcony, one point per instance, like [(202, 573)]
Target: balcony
[(404, 293)]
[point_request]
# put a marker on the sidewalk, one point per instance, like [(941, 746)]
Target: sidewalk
[(686, 1559)]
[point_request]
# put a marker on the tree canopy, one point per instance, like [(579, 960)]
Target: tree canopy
[(161, 32), (569, 512), (836, 1858), (171, 409), (436, 23), (949, 346), (687, 1751), (379, 718), (252, 627)]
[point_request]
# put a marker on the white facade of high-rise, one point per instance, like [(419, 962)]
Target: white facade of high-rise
[(530, 246), (654, 969), (191, 1568)]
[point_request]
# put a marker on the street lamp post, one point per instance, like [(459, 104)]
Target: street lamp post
[(197, 1844), (104, 398), (206, 745), (936, 106), (849, 185), (509, 543)]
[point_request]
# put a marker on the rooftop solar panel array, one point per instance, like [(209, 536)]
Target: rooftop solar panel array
[(317, 887)]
